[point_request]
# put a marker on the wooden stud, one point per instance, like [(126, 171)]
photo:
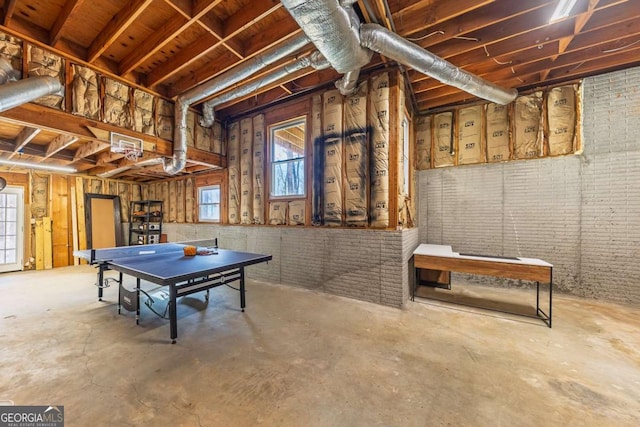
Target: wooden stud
[(180, 201), (47, 243), (74, 224), (39, 231), (59, 214), (394, 118), (189, 200), (82, 231)]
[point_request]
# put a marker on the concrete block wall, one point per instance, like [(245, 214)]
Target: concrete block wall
[(579, 212), (369, 265)]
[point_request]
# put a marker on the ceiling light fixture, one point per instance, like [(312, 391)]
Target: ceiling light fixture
[(562, 10), (37, 166)]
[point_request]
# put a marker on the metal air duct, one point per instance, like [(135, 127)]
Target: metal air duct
[(178, 161), (7, 72), (315, 60), (391, 45), (15, 93), (333, 29)]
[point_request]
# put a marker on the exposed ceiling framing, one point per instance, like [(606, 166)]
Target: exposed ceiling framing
[(169, 46)]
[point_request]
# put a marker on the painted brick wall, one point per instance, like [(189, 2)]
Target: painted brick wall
[(580, 212), (369, 265)]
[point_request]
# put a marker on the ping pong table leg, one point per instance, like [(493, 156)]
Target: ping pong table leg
[(100, 281), (173, 315), (242, 299), (137, 301)]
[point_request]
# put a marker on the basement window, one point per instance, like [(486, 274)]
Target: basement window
[(288, 159), (209, 203)]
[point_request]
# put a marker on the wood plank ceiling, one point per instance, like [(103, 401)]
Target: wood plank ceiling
[(170, 46)]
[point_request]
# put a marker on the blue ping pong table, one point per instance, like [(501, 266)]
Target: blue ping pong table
[(164, 264)]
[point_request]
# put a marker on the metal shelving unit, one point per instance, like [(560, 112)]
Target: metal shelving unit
[(145, 222)]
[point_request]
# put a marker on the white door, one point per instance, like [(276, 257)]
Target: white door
[(11, 228)]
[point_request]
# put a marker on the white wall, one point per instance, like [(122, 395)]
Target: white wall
[(579, 212)]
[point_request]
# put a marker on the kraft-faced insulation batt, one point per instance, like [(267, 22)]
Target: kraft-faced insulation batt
[(278, 213), (233, 166), (379, 121), (497, 133), (143, 112), (164, 119), (11, 50), (356, 146), (470, 135), (332, 103), (443, 129), (258, 169), (217, 144), (423, 142), (246, 172), (561, 117), (528, 136), (191, 130), (85, 94), (44, 63), (296, 212), (117, 104)]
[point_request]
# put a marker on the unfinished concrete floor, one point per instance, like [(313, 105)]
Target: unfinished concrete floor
[(301, 358)]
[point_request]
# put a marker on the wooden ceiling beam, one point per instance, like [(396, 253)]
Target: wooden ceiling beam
[(58, 143), (236, 23), (164, 35), (9, 8), (486, 16), (39, 152), (114, 29), (580, 22), (256, 45), (89, 149), (69, 9), (108, 157), (538, 67), (521, 24), (585, 46), (606, 19), (424, 14), (184, 7), (182, 59), (248, 16), (564, 67), (59, 121), (24, 137)]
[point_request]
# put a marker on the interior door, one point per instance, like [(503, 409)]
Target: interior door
[(11, 229)]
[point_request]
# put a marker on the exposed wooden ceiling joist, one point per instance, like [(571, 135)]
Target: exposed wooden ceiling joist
[(167, 47)]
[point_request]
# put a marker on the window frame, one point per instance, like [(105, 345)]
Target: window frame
[(200, 204), (300, 120)]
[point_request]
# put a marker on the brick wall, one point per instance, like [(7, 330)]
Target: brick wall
[(369, 265), (579, 212)]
